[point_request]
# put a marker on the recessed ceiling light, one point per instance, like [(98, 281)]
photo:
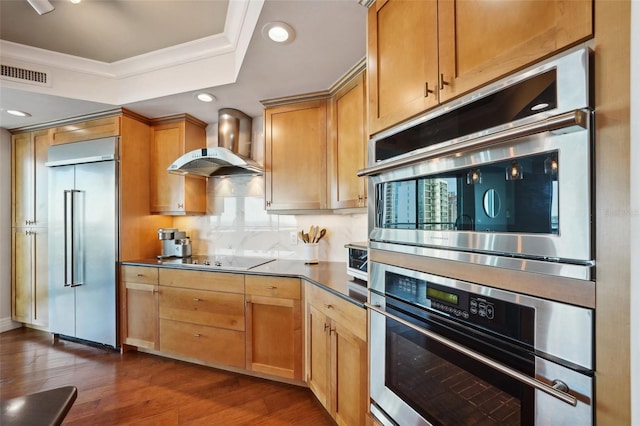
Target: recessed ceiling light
[(278, 32), (18, 113), (539, 106), (205, 97), (75, 1)]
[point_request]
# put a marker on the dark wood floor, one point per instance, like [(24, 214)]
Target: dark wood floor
[(142, 389)]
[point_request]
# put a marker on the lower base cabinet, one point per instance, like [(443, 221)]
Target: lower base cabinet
[(274, 326), (208, 344), (255, 323), (337, 355), (198, 322), (139, 300), (29, 288)]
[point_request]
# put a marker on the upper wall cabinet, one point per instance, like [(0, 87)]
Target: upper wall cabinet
[(173, 194), (296, 156), (86, 130), (423, 53), (29, 192), (314, 145), (347, 151)]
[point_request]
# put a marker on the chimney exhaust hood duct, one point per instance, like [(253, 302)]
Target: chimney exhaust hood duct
[(230, 157)]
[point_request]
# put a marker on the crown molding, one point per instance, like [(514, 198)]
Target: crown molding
[(241, 17)]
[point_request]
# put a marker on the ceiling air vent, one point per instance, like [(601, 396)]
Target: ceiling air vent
[(23, 75)]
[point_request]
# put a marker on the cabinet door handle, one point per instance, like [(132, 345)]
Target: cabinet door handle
[(268, 203), (427, 90), (326, 326), (328, 306), (272, 287), (195, 299), (442, 82), (196, 335), (331, 331), (180, 206)]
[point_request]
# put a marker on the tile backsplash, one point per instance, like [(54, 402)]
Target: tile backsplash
[(238, 224)]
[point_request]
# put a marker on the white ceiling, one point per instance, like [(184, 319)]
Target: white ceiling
[(154, 35)]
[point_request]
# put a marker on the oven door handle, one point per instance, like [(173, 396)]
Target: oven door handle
[(577, 119), (515, 374)]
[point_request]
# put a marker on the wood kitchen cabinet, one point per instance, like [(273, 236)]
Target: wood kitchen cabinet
[(29, 184), (173, 194), (202, 316), (274, 326), (29, 301), (29, 201), (347, 150), (139, 301), (86, 130), (423, 53), (296, 156), (337, 355)]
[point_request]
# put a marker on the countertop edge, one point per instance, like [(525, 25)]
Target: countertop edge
[(330, 276)]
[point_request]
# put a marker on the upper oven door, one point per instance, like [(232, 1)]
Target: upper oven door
[(529, 196)]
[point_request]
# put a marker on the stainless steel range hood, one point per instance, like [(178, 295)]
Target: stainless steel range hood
[(230, 157)]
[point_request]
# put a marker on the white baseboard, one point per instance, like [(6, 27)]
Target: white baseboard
[(7, 324)]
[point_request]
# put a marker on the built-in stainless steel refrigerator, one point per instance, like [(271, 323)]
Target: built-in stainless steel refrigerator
[(83, 240)]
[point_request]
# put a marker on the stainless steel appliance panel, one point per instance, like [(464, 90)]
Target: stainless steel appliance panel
[(464, 385), (572, 242), (97, 252), (553, 319), (61, 299), (83, 243)]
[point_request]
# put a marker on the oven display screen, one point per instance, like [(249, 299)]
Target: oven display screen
[(443, 296)]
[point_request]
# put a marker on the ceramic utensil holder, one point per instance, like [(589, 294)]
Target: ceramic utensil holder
[(310, 253)]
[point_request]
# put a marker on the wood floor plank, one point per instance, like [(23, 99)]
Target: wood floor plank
[(142, 389)]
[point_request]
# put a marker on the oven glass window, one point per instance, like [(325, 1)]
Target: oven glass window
[(448, 388), (519, 195)]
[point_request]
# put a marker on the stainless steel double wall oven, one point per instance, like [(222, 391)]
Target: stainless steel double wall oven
[(482, 255)]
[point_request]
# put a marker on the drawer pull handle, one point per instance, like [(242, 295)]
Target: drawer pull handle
[(195, 299), (272, 287), (328, 306), (139, 275), (196, 335)]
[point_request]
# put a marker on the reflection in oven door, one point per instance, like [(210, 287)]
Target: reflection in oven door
[(418, 380)]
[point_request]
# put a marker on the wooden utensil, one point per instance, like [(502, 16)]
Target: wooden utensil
[(312, 233), (319, 235)]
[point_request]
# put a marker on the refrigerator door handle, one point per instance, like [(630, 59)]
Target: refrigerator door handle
[(69, 238), (66, 239)]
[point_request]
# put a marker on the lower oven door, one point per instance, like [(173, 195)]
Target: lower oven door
[(421, 374)]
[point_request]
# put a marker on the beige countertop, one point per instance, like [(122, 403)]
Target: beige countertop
[(331, 276)]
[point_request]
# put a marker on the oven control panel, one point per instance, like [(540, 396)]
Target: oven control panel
[(461, 304), (477, 306), (480, 310)]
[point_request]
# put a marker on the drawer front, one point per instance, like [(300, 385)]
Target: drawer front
[(208, 344), (211, 308), (139, 274), (288, 288), (351, 316), (202, 280)]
